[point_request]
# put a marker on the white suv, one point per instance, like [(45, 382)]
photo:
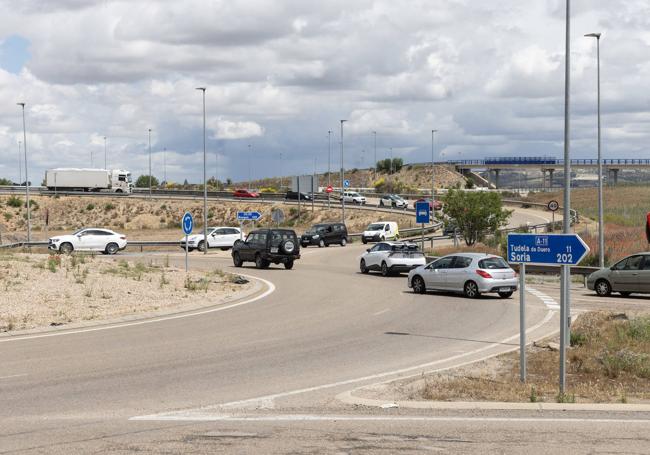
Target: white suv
[(354, 198), (89, 239), (392, 257), (218, 237)]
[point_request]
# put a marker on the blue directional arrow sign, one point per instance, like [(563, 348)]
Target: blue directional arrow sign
[(248, 216), (346, 183), (422, 212), (188, 223), (545, 249)]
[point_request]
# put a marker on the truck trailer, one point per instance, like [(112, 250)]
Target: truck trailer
[(69, 179)]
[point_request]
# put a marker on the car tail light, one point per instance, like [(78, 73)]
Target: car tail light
[(484, 274)]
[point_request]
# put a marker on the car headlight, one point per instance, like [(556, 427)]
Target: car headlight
[(315, 236)]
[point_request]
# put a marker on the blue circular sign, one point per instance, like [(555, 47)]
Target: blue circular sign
[(188, 223), (346, 183)]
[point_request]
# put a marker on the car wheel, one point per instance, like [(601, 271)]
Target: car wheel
[(363, 240), (362, 267), (471, 290), (625, 293), (381, 203), (112, 248), (236, 259), (66, 248), (288, 265), (201, 246), (345, 242), (224, 248), (321, 243), (384, 269), (260, 263), (417, 283), (603, 288), (505, 295)]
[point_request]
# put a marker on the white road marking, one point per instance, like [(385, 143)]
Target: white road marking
[(550, 302), (270, 290), (268, 400), (382, 312), (13, 376)]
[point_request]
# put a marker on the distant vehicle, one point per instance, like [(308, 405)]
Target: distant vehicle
[(391, 258), (64, 179), (266, 246), (245, 193), (325, 234), (450, 227), (380, 231), (293, 195), (630, 275), (435, 205), (218, 237), (472, 274), (352, 197), (393, 200), (88, 239)]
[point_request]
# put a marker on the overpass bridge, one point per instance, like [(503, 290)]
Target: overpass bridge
[(547, 165)]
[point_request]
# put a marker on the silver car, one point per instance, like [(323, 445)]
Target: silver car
[(629, 275), (472, 274)]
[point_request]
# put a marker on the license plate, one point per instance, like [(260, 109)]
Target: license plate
[(504, 289), (274, 250)]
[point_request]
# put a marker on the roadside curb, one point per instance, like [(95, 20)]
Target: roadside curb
[(349, 398)]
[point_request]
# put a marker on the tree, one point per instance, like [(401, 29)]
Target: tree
[(476, 214), (4, 181), (143, 181), (385, 165)]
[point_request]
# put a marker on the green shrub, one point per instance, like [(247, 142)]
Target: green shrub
[(90, 207), (108, 207), (14, 201)]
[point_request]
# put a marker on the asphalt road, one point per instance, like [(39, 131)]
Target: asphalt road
[(262, 377)]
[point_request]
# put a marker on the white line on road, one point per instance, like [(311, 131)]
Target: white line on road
[(13, 376), (381, 312), (271, 289)]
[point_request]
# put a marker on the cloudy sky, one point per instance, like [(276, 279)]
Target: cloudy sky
[(281, 73)]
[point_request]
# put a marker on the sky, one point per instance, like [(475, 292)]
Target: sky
[(280, 74)]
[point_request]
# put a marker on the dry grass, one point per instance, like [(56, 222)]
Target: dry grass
[(620, 241), (478, 248), (609, 361)]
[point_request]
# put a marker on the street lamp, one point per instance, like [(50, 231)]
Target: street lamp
[(375, 165), (105, 155), (149, 163), (29, 216), (601, 223), (165, 165), (342, 176), (205, 183), (329, 162), (391, 160), (249, 166), (20, 164), (433, 171)]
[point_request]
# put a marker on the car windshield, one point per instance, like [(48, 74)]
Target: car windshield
[(405, 247), (375, 227), (493, 263), (211, 231), (79, 231), (316, 229)]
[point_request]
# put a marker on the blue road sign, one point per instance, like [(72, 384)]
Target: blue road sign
[(561, 249), (188, 223), (346, 183), (422, 212), (248, 216)]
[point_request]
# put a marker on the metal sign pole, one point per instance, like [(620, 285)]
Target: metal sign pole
[(186, 253), (422, 236), (522, 322)]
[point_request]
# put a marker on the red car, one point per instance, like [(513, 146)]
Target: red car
[(245, 193), (436, 205)]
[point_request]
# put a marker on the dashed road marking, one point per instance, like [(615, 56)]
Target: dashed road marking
[(550, 302)]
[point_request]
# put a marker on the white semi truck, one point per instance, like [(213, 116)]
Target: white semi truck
[(68, 179)]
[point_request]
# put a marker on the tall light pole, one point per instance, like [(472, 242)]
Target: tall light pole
[(20, 164), (391, 160), (342, 176), (165, 165), (205, 183), (375, 165), (29, 216), (601, 222), (250, 152), (281, 176), (105, 155), (433, 171), (329, 164), (149, 163)]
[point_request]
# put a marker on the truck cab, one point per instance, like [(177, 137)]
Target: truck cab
[(121, 181)]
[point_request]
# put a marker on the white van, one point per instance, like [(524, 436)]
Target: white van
[(380, 231), (352, 197)]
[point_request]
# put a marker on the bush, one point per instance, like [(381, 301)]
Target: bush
[(387, 165), (90, 207), (14, 201), (4, 181), (108, 207), (476, 214)]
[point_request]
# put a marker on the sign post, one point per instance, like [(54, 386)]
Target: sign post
[(247, 216), (553, 206), (188, 225), (422, 216), (558, 249)]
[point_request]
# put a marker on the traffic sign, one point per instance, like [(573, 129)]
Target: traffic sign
[(329, 189), (277, 215), (248, 216), (346, 183), (188, 223), (553, 206), (422, 212), (560, 249)]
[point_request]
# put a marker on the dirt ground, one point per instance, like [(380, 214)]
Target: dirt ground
[(38, 290)]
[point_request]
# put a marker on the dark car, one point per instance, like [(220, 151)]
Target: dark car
[(294, 195), (325, 234), (266, 246)]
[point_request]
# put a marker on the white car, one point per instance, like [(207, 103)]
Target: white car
[(352, 197), (392, 257), (218, 237), (88, 239), (393, 200), (380, 231)]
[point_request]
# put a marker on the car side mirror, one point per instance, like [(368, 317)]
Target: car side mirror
[(368, 250)]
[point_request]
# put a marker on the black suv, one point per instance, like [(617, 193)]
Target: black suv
[(294, 195), (266, 246), (325, 234)]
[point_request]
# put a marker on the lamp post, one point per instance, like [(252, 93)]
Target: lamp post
[(165, 165), (601, 223), (149, 163), (281, 177), (375, 165), (391, 160), (342, 176), (20, 164), (249, 166), (205, 183), (433, 171), (329, 163), (29, 216), (105, 155)]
